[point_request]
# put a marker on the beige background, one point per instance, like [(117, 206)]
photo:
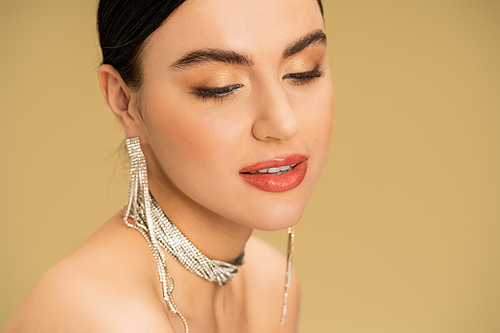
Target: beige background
[(402, 233)]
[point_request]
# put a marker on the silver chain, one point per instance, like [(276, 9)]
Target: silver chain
[(179, 247)]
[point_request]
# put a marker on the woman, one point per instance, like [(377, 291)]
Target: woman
[(229, 103)]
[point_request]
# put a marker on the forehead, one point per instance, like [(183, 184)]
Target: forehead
[(256, 28)]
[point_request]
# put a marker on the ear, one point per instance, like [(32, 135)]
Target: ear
[(119, 97)]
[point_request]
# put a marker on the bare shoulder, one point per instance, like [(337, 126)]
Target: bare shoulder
[(103, 286), (264, 281)]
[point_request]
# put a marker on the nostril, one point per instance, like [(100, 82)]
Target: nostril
[(279, 126)]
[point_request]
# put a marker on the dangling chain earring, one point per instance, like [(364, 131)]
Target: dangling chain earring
[(288, 274), (139, 209)]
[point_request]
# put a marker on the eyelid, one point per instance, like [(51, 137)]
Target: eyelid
[(222, 93), (308, 76), (218, 93)]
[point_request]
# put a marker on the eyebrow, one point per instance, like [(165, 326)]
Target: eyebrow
[(210, 55), (312, 38)]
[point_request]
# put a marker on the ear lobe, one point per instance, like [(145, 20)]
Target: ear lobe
[(118, 95)]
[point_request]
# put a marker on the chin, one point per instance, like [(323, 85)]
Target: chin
[(277, 211), (279, 218)]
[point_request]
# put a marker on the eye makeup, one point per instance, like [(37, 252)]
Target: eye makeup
[(223, 93), (304, 77), (214, 81), (217, 94)]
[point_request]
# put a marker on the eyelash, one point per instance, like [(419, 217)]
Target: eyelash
[(220, 94), (304, 78), (217, 94)]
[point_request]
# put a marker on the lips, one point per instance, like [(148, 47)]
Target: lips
[(276, 174)]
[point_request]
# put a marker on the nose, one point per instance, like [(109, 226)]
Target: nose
[(276, 120)]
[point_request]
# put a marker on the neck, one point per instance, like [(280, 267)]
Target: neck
[(215, 236)]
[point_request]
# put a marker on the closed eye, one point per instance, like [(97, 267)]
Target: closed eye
[(218, 94), (305, 77)]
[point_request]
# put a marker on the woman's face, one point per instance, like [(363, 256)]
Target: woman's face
[(231, 87)]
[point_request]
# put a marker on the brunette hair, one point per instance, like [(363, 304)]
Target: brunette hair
[(124, 25)]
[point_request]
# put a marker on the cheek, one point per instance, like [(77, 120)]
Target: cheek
[(316, 117), (194, 148)]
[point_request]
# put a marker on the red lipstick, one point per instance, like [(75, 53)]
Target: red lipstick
[(276, 174)]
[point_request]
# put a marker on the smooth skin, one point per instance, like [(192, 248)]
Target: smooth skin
[(199, 125)]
